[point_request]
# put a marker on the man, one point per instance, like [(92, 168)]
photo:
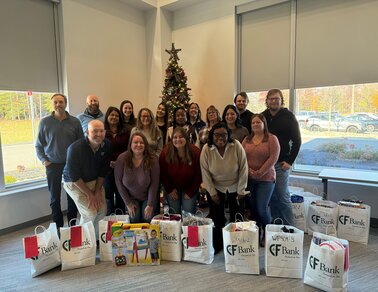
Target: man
[(56, 132), (241, 101), (283, 124), (92, 112), (88, 161)]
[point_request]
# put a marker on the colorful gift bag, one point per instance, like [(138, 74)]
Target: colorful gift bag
[(135, 244), (43, 250), (328, 263), (197, 240), (322, 217), (78, 246), (105, 232), (283, 251), (170, 235), (353, 222), (241, 247)]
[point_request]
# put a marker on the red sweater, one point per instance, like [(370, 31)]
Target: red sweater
[(182, 177)]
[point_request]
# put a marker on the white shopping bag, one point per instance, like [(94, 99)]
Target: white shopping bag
[(43, 250), (308, 197), (105, 232), (322, 217), (328, 263), (170, 236), (299, 216), (78, 246), (354, 223), (241, 247), (197, 240), (283, 251)]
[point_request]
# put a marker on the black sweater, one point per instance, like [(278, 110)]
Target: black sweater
[(285, 126)]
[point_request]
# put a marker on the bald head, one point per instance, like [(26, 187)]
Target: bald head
[(96, 132), (93, 104)]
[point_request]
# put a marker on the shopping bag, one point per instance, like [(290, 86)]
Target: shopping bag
[(241, 247), (297, 203), (322, 217), (197, 239), (354, 221), (308, 197), (170, 235), (283, 251), (105, 231), (42, 249), (135, 244), (328, 263), (78, 246)]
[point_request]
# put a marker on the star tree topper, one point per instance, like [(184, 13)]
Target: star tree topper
[(173, 53)]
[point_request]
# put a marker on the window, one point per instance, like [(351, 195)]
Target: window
[(325, 48)]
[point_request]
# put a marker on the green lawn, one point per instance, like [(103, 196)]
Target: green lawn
[(15, 132)]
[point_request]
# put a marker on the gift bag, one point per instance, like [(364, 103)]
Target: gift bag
[(283, 251), (42, 249), (297, 203), (354, 221), (170, 235), (308, 197), (322, 217), (197, 239), (105, 232), (328, 263), (241, 247), (135, 244), (78, 246)]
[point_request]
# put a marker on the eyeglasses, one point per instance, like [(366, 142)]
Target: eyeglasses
[(274, 98), (220, 135)]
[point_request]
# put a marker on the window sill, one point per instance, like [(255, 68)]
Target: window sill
[(23, 187)]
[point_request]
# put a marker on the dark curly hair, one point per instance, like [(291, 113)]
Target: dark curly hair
[(210, 141)]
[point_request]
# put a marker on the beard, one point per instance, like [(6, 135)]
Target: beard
[(93, 108)]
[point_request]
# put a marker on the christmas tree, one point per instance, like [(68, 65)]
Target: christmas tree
[(175, 91)]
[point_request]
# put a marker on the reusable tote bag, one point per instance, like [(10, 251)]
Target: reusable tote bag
[(299, 216), (283, 251), (78, 246), (197, 240), (105, 231), (322, 217), (354, 222), (241, 247), (42, 249), (328, 263), (170, 235)]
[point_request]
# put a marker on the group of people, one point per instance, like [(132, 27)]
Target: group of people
[(121, 161)]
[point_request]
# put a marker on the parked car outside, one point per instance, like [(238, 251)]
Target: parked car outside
[(368, 122), (302, 116), (336, 123)]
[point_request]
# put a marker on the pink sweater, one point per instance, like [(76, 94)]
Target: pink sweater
[(262, 158)]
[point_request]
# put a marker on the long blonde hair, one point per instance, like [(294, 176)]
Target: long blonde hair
[(155, 133)]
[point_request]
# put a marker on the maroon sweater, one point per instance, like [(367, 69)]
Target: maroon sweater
[(182, 177)]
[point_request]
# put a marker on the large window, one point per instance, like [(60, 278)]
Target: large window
[(326, 50), (29, 73)]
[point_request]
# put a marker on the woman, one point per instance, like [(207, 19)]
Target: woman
[(212, 117), (180, 120), (136, 174), (162, 119), (181, 172), (262, 150), (146, 124), (119, 139), (128, 117), (232, 117), (224, 172), (193, 116)]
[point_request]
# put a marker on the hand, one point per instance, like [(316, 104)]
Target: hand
[(216, 198), (186, 197), (148, 212), (95, 201), (285, 165), (46, 163), (173, 195), (112, 164), (131, 208), (250, 172)]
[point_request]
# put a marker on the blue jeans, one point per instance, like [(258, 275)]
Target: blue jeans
[(261, 193), (54, 181), (182, 204), (139, 216), (280, 203), (110, 191)]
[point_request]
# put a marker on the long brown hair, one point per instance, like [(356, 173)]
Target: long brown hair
[(172, 152), (266, 131), (148, 156)]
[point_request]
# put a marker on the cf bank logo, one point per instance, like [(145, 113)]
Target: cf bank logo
[(315, 219), (343, 219), (274, 249), (313, 262), (231, 249)]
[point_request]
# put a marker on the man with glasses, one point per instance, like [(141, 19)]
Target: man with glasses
[(241, 101), (282, 123), (56, 132), (92, 112)]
